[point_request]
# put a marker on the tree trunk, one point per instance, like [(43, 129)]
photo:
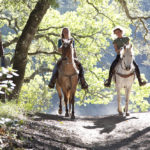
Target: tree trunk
[(21, 52)]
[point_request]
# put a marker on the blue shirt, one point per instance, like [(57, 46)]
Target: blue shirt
[(60, 43)]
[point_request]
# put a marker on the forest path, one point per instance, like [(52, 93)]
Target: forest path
[(53, 132), (114, 132)]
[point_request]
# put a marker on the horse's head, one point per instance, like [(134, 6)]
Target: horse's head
[(66, 43), (67, 46), (127, 57)]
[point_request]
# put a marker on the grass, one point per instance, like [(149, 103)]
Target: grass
[(11, 110)]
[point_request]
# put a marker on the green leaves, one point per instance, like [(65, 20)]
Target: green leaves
[(91, 26), (139, 96), (54, 3)]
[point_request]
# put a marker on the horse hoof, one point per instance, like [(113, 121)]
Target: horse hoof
[(72, 117), (120, 114), (66, 115), (60, 111), (127, 114)]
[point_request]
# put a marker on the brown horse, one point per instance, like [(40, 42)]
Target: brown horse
[(67, 78)]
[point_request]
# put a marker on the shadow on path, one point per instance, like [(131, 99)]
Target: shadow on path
[(41, 116), (108, 123), (127, 141)]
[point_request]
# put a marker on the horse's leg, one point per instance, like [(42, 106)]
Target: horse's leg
[(66, 105), (127, 92), (58, 88), (118, 99), (70, 106), (74, 86), (72, 101)]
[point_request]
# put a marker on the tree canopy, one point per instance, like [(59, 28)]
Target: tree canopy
[(91, 26)]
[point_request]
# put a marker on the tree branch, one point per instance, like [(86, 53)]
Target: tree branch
[(98, 11), (53, 43), (38, 71), (124, 5), (50, 28), (9, 20), (6, 44), (146, 29), (45, 35), (139, 18), (46, 53)]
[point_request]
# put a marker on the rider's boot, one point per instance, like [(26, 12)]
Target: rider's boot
[(54, 77), (137, 71), (141, 82)]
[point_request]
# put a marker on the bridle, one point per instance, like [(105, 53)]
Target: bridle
[(64, 53), (124, 75), (65, 58), (124, 64)]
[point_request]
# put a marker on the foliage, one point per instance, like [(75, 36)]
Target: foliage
[(6, 84), (11, 110), (35, 99), (139, 98), (91, 26)]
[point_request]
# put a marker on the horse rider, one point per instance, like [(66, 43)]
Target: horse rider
[(65, 34), (118, 44)]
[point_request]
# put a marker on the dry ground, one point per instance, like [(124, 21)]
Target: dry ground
[(52, 132)]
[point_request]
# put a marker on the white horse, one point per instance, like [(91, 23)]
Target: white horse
[(124, 75)]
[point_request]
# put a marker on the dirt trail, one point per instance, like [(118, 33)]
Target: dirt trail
[(52, 132)]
